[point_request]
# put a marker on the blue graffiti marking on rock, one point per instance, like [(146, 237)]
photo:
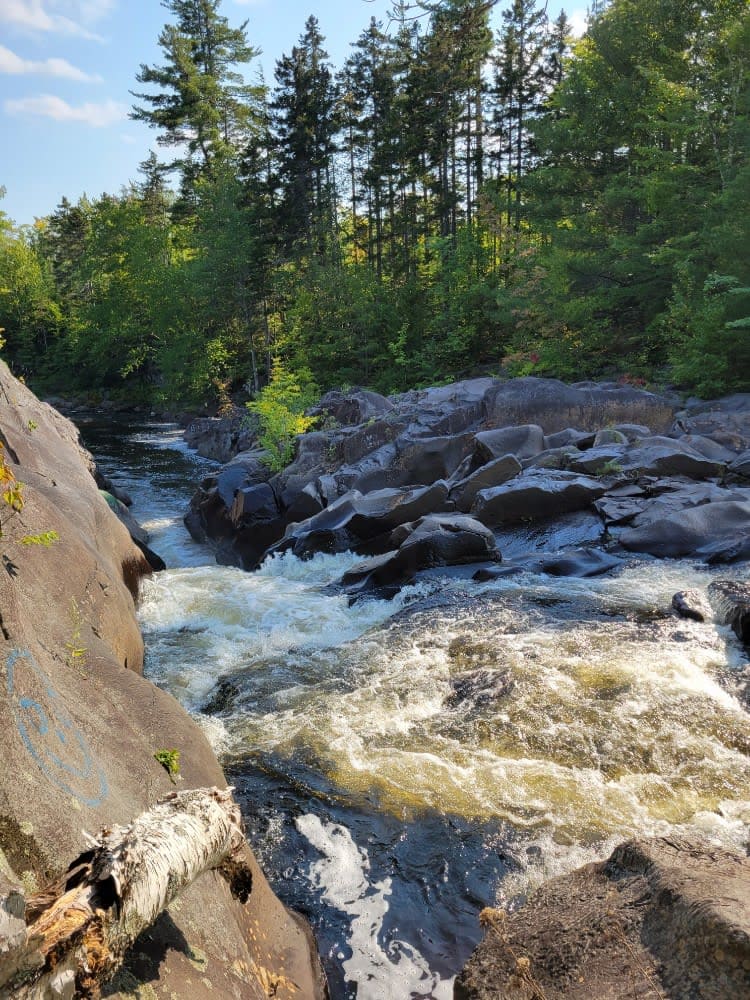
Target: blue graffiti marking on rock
[(49, 734)]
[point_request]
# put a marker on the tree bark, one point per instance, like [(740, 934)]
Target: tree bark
[(114, 891)]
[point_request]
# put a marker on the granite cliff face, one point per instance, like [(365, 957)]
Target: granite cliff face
[(79, 725)]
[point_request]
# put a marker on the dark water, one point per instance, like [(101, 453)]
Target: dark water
[(401, 766)]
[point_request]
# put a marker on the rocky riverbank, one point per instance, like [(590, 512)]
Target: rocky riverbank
[(440, 477), (80, 727)]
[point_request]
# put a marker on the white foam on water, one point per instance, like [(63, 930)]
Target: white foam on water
[(381, 973)]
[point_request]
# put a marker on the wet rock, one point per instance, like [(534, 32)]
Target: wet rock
[(578, 562), (480, 687), (78, 733), (254, 503), (692, 604), (435, 540), (494, 473), (731, 601), (692, 532), (659, 914), (536, 494)]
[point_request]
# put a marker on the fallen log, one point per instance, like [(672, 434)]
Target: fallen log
[(115, 890)]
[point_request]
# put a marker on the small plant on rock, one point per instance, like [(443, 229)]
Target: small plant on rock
[(280, 408)]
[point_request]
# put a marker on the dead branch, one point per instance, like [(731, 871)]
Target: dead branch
[(115, 890)]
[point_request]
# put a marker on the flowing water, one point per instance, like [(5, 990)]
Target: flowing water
[(403, 764)]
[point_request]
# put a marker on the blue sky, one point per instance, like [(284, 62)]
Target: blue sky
[(67, 66)]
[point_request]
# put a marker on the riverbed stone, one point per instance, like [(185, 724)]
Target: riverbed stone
[(536, 494), (741, 465), (692, 532), (692, 604), (432, 541), (665, 914), (356, 406)]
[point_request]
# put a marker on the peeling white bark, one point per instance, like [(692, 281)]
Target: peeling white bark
[(129, 876)]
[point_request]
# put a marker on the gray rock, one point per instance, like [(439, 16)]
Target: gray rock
[(523, 442), (570, 436), (741, 465), (690, 531), (556, 406), (609, 436), (554, 458), (435, 540), (731, 601), (711, 450), (494, 473), (254, 503), (578, 562), (633, 432), (692, 604), (662, 916), (601, 460), (352, 407), (662, 456), (534, 495)]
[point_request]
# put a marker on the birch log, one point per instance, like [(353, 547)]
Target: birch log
[(121, 885)]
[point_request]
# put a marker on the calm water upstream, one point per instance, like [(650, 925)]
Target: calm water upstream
[(403, 764)]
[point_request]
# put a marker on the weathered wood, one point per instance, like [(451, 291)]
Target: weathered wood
[(120, 886)]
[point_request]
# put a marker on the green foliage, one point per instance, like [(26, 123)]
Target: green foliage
[(449, 204), (280, 409), (170, 761), (45, 539)]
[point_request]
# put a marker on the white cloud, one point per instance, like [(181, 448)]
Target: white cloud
[(13, 64), (64, 17), (49, 106), (578, 21), (129, 140)]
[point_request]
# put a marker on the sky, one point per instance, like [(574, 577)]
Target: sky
[(67, 67)]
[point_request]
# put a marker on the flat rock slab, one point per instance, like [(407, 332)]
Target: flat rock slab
[(535, 495), (660, 918)]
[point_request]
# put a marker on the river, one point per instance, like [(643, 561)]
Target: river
[(403, 764)]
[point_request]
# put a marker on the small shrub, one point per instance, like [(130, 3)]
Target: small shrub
[(170, 761), (280, 409)]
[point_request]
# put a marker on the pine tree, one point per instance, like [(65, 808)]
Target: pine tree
[(203, 102)]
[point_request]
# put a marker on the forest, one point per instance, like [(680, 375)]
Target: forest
[(473, 190)]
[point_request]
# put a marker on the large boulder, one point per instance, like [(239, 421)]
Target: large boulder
[(494, 473), (660, 917), (524, 441), (662, 456), (705, 531), (725, 421), (435, 540), (534, 495), (556, 406), (353, 407), (221, 438), (79, 725)]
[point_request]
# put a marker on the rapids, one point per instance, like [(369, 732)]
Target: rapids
[(403, 764)]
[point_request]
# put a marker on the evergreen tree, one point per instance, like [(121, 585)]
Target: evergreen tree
[(304, 123), (203, 103)]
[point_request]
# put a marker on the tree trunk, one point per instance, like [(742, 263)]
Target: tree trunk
[(114, 891)]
